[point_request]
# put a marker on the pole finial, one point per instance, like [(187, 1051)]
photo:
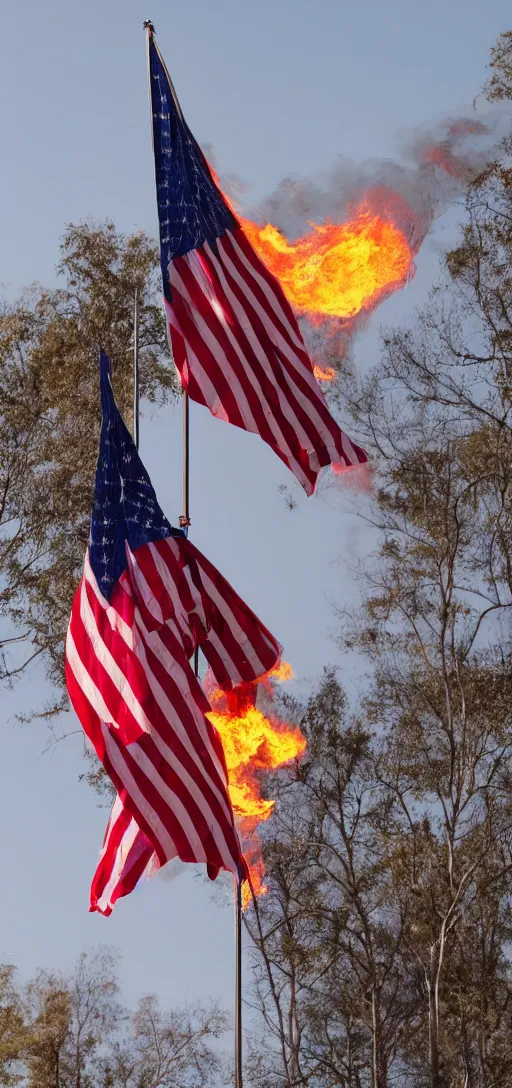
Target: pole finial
[(148, 25)]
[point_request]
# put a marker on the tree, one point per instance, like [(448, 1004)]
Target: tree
[(330, 932), (384, 943), (49, 414), (73, 1018), (170, 1050), (69, 1031), (437, 606), (13, 1030)]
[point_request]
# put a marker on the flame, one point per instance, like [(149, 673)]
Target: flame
[(253, 742), (336, 270), (281, 672), (324, 373)]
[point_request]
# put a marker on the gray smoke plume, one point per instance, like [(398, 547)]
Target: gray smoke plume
[(434, 166)]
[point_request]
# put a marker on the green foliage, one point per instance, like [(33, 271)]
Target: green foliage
[(49, 414)]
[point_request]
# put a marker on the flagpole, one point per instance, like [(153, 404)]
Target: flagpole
[(238, 984), (184, 524), (185, 517), (136, 368)]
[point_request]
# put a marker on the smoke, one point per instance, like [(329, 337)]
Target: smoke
[(433, 167), (437, 162)]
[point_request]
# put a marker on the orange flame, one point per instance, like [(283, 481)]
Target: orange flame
[(324, 373), (253, 742), (336, 270)]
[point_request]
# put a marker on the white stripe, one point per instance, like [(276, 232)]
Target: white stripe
[(251, 377), (209, 393), (85, 681), (174, 721), (134, 793), (180, 615), (117, 810), (242, 639), (218, 354), (199, 798), (253, 338), (120, 859), (108, 662), (239, 393), (115, 619), (309, 405), (231, 669), (153, 640), (96, 701), (172, 666), (170, 797), (144, 588), (271, 295)]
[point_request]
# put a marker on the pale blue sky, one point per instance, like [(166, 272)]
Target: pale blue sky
[(277, 88)]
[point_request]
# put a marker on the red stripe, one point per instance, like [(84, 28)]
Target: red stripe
[(173, 742), (86, 714), (301, 373), (217, 377), (179, 353), (279, 366), (113, 838), (129, 665), (266, 647), (134, 866), (168, 776), (269, 388), (233, 412), (166, 702), (291, 369), (275, 287)]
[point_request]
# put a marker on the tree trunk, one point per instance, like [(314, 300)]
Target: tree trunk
[(379, 1062), (433, 1038), (349, 1053)]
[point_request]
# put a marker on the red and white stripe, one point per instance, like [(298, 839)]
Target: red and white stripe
[(131, 683), (239, 351), (126, 857)]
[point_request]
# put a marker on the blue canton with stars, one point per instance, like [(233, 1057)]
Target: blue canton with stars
[(191, 210), (125, 505)]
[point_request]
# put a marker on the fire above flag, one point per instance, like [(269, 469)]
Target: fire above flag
[(235, 340), (146, 600)]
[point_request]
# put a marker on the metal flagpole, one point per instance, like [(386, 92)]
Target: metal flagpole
[(185, 516), (238, 983), (136, 368), (184, 524)]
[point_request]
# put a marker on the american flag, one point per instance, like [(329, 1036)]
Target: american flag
[(235, 340), (146, 600)]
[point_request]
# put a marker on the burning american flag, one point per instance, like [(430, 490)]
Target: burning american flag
[(146, 600), (235, 340)]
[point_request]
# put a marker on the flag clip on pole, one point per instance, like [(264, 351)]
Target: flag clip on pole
[(136, 369), (238, 983)]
